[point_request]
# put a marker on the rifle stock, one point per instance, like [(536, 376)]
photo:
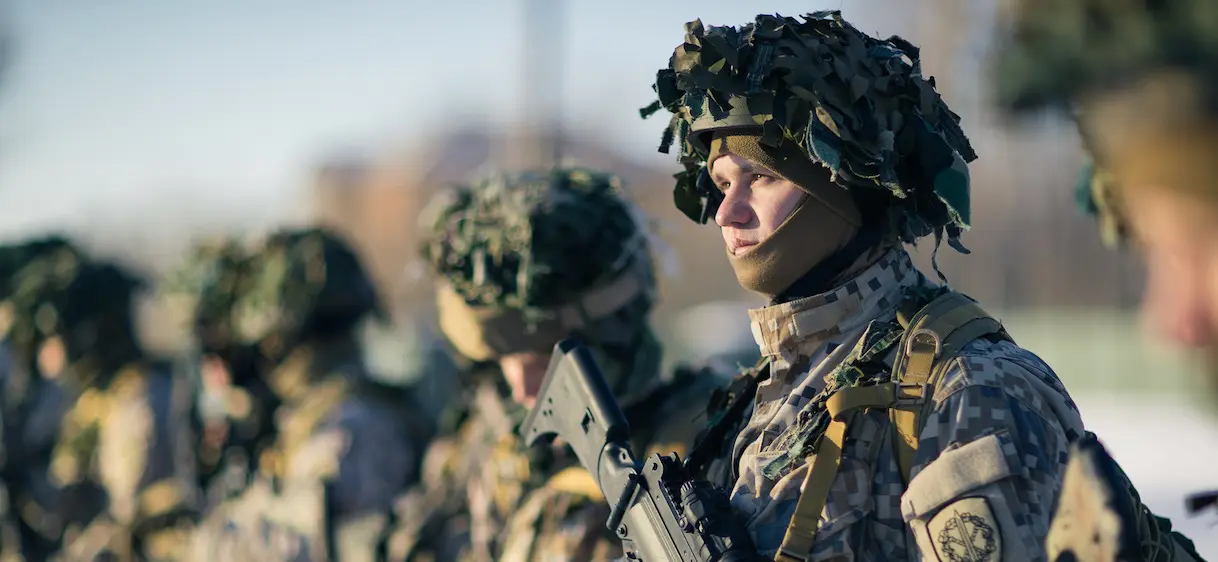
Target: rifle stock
[(658, 512)]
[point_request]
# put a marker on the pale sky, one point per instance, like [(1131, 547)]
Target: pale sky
[(129, 117)]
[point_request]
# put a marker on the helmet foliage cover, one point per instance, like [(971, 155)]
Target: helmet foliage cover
[(856, 104)]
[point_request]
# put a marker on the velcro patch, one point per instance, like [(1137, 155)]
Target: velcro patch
[(966, 531)]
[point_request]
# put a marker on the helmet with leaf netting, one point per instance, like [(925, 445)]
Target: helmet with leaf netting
[(36, 278), (207, 287), (88, 304), (14, 257), (857, 105), (529, 258), (303, 284)]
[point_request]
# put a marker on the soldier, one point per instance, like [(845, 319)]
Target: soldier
[(21, 384), (524, 261), (104, 435), (344, 446), (894, 419), (1139, 79), (234, 405)]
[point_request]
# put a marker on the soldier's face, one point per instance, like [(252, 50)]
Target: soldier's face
[(524, 372), (1178, 236), (756, 201)]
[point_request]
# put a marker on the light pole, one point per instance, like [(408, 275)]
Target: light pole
[(544, 22)]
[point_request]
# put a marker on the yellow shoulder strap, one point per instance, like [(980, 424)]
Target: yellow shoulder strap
[(932, 338), (938, 331), (575, 480)]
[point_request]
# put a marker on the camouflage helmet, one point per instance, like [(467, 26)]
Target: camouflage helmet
[(38, 275), (1061, 50), (1154, 63), (526, 259), (209, 283), (303, 283), (853, 103), (78, 300), (14, 257)]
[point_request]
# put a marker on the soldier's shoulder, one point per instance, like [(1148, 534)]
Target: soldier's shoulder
[(562, 520), (373, 421), (676, 411), (1017, 373), (998, 364), (697, 380), (449, 458)]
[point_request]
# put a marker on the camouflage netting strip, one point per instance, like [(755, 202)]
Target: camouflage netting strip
[(532, 241), (1059, 49), (856, 104)]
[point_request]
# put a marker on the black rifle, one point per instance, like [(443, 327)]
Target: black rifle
[(658, 511)]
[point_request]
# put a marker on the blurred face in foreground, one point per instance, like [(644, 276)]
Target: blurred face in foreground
[(524, 372), (756, 201), (1159, 138), (1177, 234)]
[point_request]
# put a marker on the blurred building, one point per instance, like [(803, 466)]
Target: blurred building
[(376, 202), (1031, 246)]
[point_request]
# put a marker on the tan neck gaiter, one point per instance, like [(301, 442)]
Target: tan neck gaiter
[(823, 223), (812, 233)]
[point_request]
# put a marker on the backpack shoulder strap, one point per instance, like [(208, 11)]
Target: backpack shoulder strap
[(933, 336)]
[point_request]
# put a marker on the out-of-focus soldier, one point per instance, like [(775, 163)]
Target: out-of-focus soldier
[(523, 261), (344, 444), (1140, 78), (20, 381), (233, 406), (107, 476)]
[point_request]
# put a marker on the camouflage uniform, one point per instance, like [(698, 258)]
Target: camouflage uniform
[(1138, 78), (525, 260), (818, 472), (108, 473), (232, 416), (19, 383), (344, 446)]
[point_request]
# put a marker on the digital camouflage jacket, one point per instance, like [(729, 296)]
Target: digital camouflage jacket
[(989, 459)]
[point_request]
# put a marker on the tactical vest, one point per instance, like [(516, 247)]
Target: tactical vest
[(932, 336), (931, 339)]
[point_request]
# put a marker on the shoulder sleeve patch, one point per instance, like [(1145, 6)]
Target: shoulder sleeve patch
[(966, 531), (955, 473)]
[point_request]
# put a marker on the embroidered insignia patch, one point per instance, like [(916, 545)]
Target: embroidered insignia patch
[(966, 531)]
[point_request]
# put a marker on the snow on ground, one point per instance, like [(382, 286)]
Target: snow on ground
[(1168, 447)]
